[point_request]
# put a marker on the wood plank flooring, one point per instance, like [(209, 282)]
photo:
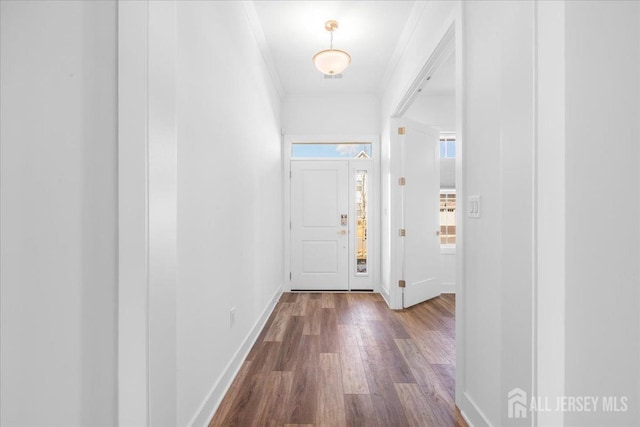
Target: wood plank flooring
[(345, 359)]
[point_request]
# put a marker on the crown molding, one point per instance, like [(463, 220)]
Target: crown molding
[(258, 33), (401, 46)]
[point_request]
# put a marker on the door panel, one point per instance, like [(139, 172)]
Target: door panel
[(420, 198), (320, 257), (319, 239), (319, 197)]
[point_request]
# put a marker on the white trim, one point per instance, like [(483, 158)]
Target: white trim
[(385, 294), (360, 282), (447, 249), (375, 220), (460, 52), (209, 406), (258, 33), (549, 180), (163, 198), (445, 47), (133, 220), (448, 288), (401, 46), (395, 216), (472, 413), (466, 418), (534, 216)]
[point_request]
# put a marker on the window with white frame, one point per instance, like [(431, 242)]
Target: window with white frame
[(331, 150), (447, 191), (448, 218), (447, 146)]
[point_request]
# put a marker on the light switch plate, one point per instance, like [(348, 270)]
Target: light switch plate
[(473, 207)]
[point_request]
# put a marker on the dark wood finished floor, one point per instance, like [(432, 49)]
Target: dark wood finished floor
[(347, 360)]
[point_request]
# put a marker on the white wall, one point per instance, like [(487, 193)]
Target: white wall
[(133, 189), (230, 244), (448, 272), (602, 206), (499, 152), (596, 330), (331, 114), (551, 232), (59, 213), (436, 111)]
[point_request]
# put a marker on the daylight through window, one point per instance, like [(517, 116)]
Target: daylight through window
[(447, 218)]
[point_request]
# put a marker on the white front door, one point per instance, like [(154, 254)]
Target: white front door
[(319, 225), (420, 199)]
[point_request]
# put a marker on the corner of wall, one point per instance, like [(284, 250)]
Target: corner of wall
[(209, 406)]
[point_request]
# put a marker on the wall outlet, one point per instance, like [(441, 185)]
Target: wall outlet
[(232, 317)]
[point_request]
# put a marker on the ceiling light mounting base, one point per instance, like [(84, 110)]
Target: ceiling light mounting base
[(331, 25)]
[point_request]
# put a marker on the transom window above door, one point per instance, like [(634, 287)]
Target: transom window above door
[(330, 150)]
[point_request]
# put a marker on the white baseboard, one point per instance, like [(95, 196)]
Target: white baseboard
[(472, 414), (464, 416), (210, 405), (385, 294), (448, 288)]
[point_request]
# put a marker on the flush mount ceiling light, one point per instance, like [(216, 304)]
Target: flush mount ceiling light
[(331, 61)]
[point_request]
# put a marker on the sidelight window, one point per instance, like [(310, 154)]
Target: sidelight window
[(361, 221)]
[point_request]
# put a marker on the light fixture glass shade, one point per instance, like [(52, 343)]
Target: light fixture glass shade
[(331, 61)]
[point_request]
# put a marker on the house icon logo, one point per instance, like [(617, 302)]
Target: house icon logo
[(517, 403)]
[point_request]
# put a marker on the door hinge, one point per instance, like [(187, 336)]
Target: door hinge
[(402, 181), (401, 131), (402, 283), (402, 232), (289, 275)]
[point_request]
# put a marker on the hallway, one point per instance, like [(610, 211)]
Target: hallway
[(148, 153), (345, 359)]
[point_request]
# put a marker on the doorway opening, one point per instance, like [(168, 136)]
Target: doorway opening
[(427, 163), (430, 113), (331, 203)]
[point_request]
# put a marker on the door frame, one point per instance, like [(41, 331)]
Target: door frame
[(374, 218), (451, 39), (335, 232), (448, 44), (411, 125)]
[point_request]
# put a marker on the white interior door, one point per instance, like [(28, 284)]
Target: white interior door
[(420, 202), (319, 225)]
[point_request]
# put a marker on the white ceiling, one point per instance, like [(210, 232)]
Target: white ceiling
[(369, 31)]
